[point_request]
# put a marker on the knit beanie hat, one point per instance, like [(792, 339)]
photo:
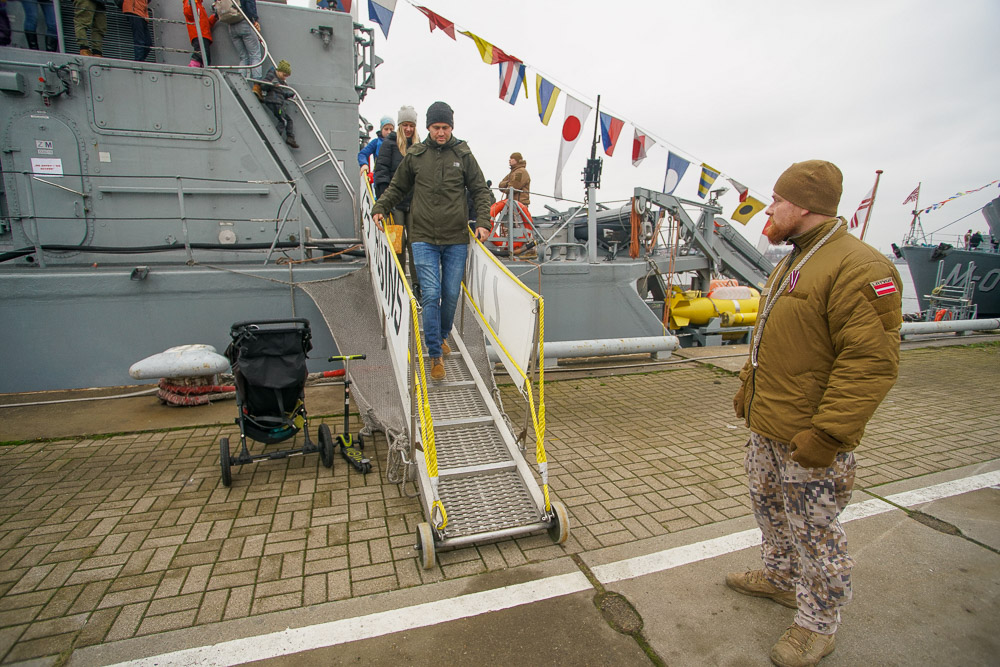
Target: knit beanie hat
[(815, 185), (439, 112), (407, 114), (386, 120), (285, 66), (516, 156)]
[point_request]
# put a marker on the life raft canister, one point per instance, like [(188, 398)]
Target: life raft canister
[(721, 282), (521, 216)]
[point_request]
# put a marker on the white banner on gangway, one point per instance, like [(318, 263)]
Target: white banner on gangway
[(508, 307), (391, 296)]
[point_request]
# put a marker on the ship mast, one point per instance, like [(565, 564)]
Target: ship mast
[(916, 229)]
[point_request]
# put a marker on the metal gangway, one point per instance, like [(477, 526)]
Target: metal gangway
[(451, 438)]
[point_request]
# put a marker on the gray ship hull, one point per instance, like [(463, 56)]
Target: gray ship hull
[(923, 264)]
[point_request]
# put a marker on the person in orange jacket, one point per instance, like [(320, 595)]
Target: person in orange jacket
[(207, 23)]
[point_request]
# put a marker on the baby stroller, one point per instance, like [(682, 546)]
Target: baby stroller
[(269, 363)]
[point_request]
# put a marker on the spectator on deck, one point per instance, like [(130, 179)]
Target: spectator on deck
[(4, 24), (206, 23), (975, 240), (137, 14), (31, 9), (90, 22), (246, 42), (518, 179)]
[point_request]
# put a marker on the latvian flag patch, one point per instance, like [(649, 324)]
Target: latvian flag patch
[(884, 287)]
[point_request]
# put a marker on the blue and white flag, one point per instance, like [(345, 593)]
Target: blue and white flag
[(381, 11), (676, 166), (511, 81)]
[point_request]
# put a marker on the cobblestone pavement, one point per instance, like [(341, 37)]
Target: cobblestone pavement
[(133, 535)]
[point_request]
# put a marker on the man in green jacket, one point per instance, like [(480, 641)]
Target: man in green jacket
[(824, 353), (438, 171)]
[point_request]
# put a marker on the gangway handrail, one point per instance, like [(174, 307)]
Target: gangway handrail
[(537, 416)]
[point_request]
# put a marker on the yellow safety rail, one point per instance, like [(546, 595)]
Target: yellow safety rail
[(537, 418), (423, 402)]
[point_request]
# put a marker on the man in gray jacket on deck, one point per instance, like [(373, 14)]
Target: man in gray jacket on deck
[(438, 171)]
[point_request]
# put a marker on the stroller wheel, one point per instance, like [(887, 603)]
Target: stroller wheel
[(325, 445), (224, 461)]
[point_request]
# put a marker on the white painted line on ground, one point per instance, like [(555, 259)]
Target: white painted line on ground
[(719, 546), (287, 642)]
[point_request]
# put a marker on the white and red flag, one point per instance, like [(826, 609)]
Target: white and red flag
[(576, 116), (862, 212), (640, 144), (913, 195)]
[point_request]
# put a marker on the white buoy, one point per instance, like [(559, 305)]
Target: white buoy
[(180, 361)]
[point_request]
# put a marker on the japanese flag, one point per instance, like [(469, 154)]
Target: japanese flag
[(576, 116)]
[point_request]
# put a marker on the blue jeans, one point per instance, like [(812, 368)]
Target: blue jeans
[(30, 8), (440, 269), (247, 46)]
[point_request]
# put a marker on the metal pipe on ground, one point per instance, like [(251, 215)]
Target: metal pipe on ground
[(956, 326), (604, 347)]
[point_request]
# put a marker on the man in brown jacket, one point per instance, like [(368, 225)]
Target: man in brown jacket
[(518, 178), (824, 353)]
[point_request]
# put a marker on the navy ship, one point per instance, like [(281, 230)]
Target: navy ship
[(147, 205), (972, 270)]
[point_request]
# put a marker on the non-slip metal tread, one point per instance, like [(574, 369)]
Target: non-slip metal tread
[(470, 446), (456, 402), (454, 368), (479, 504)]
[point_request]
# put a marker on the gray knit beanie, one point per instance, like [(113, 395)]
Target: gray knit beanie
[(407, 114), (440, 112)]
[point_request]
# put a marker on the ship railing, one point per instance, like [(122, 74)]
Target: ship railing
[(184, 188)]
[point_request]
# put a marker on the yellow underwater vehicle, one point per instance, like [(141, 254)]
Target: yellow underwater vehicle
[(733, 304)]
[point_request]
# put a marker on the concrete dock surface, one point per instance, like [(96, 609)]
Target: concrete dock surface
[(122, 545)]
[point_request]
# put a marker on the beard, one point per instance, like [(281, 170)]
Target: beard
[(776, 233)]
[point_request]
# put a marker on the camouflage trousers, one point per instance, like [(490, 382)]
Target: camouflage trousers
[(804, 547)]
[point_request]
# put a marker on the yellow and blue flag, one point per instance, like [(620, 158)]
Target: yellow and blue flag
[(546, 94), (708, 176)]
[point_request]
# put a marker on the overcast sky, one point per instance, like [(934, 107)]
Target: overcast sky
[(907, 86)]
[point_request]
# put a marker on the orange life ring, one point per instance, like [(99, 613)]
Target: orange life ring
[(942, 314), (497, 231)]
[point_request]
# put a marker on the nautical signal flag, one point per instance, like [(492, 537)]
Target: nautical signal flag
[(381, 11), (438, 21), (511, 80), (546, 94), (640, 144), (490, 54), (742, 189), (747, 209), (676, 166), (576, 116), (862, 212), (611, 127), (708, 176)]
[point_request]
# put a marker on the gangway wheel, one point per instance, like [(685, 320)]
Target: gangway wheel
[(559, 530), (425, 545), (224, 462)]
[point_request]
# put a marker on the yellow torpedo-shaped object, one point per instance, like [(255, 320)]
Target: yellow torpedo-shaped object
[(690, 308)]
